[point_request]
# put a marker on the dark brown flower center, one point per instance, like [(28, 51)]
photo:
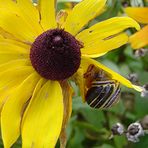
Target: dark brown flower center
[(55, 54)]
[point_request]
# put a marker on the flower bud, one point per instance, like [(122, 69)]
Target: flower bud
[(117, 129), (134, 131), (141, 52)]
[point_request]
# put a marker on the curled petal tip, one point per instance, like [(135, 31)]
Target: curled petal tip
[(135, 24), (138, 88)]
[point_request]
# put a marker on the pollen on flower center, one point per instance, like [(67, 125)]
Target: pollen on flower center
[(55, 54)]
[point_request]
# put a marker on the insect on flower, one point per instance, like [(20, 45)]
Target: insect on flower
[(103, 91)]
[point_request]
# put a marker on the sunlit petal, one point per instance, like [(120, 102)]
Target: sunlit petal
[(138, 13), (105, 36), (47, 12), (82, 13), (42, 121), (13, 23), (13, 108), (99, 48), (140, 39)]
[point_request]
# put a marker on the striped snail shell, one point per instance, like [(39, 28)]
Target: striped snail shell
[(103, 94)]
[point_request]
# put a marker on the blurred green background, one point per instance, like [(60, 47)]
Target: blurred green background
[(91, 128)]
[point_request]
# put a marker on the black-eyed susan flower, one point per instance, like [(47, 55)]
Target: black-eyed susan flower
[(139, 39), (38, 54)]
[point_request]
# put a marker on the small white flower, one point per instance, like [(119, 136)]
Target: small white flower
[(141, 52), (134, 131), (117, 129)]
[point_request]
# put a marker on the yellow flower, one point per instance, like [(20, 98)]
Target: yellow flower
[(38, 54), (139, 39)]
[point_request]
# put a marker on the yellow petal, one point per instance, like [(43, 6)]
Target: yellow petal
[(14, 24), (99, 48), (13, 109), (79, 80), (42, 121), (9, 41), (107, 28), (47, 12), (14, 64), (5, 34), (11, 74), (7, 57), (30, 14), (12, 49), (87, 61), (137, 13), (67, 101), (105, 36), (82, 13), (24, 9), (139, 39), (11, 78)]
